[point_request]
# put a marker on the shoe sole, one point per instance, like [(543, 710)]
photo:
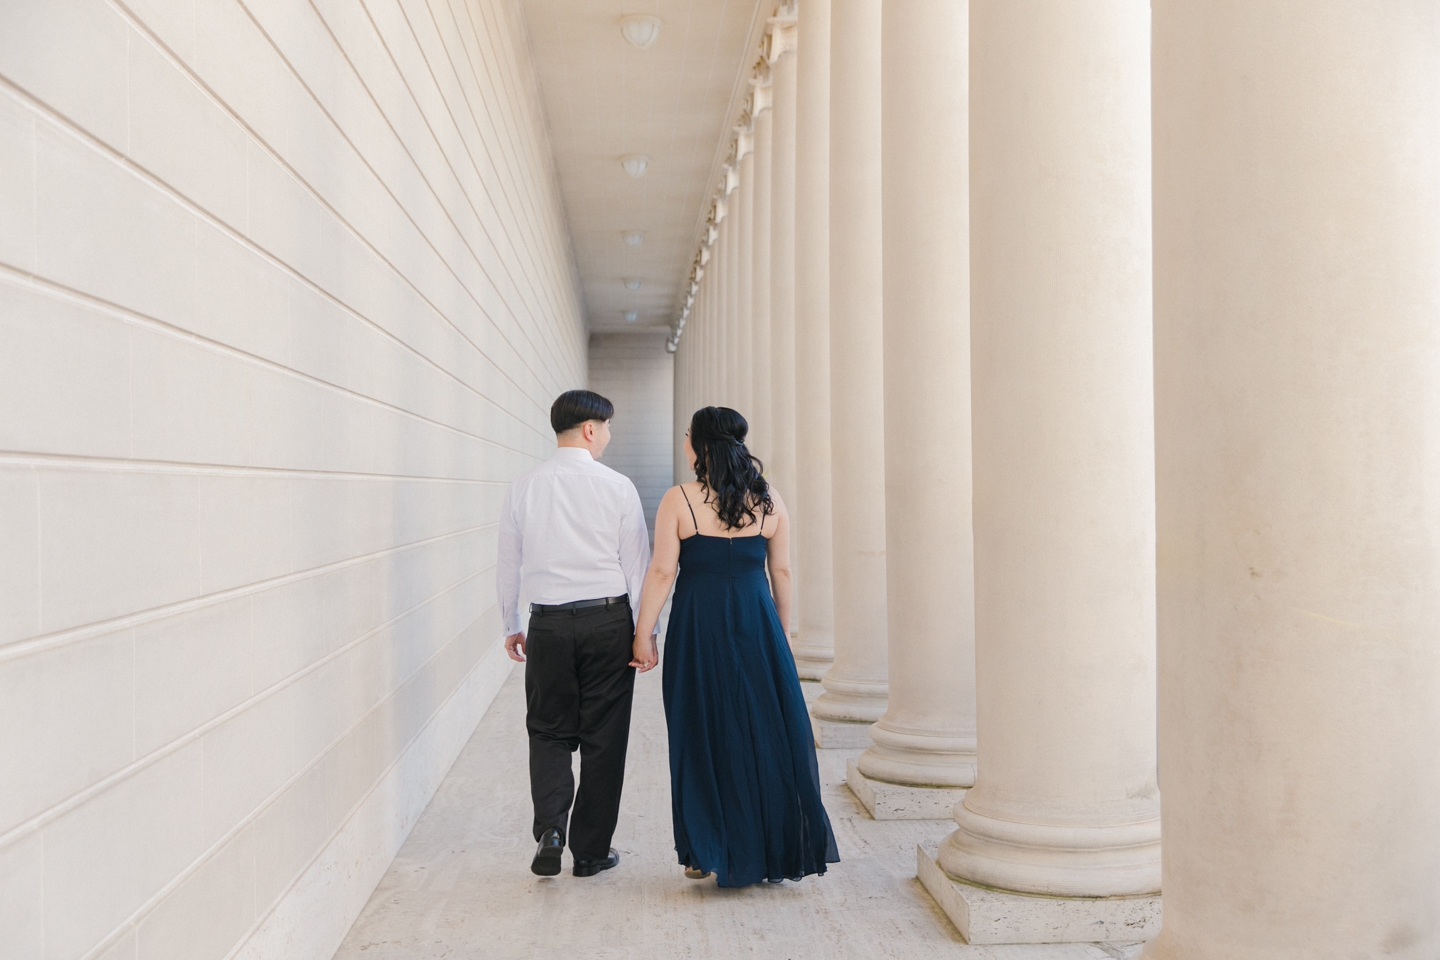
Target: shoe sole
[(546, 864), (591, 871)]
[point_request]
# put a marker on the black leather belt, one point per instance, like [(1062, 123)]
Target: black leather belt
[(606, 602)]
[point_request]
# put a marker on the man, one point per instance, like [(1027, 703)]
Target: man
[(573, 537)]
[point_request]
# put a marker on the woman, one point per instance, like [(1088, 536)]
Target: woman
[(744, 786)]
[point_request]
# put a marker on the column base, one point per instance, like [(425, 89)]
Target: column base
[(810, 669), (985, 915), (839, 734), (899, 801)]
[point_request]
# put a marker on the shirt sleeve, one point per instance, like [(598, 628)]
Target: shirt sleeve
[(507, 566), (634, 547)]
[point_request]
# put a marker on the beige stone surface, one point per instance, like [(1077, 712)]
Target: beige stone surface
[(986, 915), (461, 886), (901, 801)]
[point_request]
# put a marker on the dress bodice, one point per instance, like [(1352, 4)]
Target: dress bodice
[(727, 557)]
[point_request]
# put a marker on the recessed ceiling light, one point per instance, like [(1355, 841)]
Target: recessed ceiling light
[(635, 164), (631, 316), (632, 283), (640, 29), (633, 238)]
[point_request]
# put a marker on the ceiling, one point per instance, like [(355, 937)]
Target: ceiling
[(673, 102)]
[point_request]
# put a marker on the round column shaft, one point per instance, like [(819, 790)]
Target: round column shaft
[(1297, 352), (782, 265), (927, 736), (855, 685), (1066, 801), (745, 267), (732, 291), (815, 640), (761, 427)]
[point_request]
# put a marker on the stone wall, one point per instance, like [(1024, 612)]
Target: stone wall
[(285, 295), (635, 373)]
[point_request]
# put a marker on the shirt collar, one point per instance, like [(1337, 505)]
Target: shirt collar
[(573, 453)]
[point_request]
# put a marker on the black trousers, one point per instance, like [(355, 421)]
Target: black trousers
[(579, 686)]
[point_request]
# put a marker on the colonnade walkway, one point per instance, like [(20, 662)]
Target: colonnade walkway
[(461, 886)]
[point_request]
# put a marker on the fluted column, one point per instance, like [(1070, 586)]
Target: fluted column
[(1297, 304), (761, 426), (745, 266), (926, 739), (855, 685), (815, 641), (1066, 801)]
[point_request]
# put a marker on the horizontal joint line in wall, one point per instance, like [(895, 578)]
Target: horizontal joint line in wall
[(184, 68), (80, 797), (24, 458), (60, 291), (33, 645), (135, 918), (63, 123)]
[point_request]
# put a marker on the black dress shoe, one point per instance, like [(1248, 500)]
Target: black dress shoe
[(588, 868), (547, 854)]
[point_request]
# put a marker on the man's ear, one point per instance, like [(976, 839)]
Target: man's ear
[(587, 430)]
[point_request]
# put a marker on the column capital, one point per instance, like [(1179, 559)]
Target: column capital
[(704, 255), (732, 176), (722, 206), (781, 35), (744, 141), (762, 96)]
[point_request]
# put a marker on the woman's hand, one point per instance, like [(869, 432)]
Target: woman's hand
[(644, 652)]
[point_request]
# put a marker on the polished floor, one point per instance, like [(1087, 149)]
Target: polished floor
[(461, 886)]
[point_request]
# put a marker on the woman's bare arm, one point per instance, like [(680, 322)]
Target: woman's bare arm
[(658, 579), (778, 558)]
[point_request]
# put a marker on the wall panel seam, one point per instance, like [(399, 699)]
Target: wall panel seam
[(60, 291), (63, 123), (137, 24), (424, 177), (538, 244), (80, 797), (45, 642), (405, 211), (23, 458), (133, 921)]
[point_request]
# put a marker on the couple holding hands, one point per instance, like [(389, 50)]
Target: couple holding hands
[(744, 785)]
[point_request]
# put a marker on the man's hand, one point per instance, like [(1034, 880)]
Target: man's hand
[(644, 652), (515, 646)]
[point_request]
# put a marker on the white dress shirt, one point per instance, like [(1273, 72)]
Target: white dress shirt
[(571, 529)]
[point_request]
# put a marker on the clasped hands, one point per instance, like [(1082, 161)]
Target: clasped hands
[(645, 654)]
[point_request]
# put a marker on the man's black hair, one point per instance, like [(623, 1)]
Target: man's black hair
[(574, 407)]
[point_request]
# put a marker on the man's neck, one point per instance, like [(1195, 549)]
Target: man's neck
[(575, 445)]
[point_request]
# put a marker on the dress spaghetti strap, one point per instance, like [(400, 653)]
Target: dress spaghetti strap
[(693, 521)]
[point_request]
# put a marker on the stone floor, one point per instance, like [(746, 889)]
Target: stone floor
[(461, 886)]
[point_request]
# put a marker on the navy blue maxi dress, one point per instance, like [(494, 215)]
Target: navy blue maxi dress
[(744, 785)]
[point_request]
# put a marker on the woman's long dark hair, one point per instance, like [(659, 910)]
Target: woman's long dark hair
[(727, 469)]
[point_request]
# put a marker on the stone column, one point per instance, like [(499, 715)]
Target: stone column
[(782, 265), (1066, 802), (815, 640), (745, 266), (924, 750), (1297, 368), (722, 299), (855, 685), (732, 287), (707, 319), (761, 428)]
